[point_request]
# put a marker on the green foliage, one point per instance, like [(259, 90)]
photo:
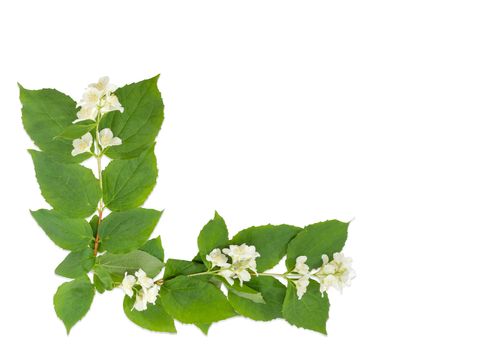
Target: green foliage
[(70, 189), (77, 130), (141, 121), (245, 292), (191, 300), (175, 267), (155, 318), (103, 277), (46, 114), (154, 248), (76, 264), (273, 293), (213, 235), (311, 312), (72, 301), (118, 264), (326, 237), (270, 241), (67, 233), (124, 231), (128, 183)]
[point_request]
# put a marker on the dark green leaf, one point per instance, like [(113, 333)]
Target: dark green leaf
[(72, 300), (326, 237), (71, 189), (273, 293), (270, 241), (128, 183), (245, 292), (118, 264), (213, 235), (155, 318), (176, 267), (75, 131), (76, 263), (154, 248), (311, 312), (121, 232), (45, 114), (67, 233), (141, 121), (191, 300)]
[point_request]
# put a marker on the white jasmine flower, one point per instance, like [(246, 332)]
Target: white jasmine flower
[(301, 285), (85, 113), (243, 275), (140, 301), (111, 103), (228, 275), (82, 145), (301, 267), (127, 284), (242, 252), (106, 138), (103, 85), (143, 280), (151, 294), (338, 273), (91, 97), (217, 258)]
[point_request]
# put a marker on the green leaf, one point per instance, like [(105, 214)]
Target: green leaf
[(141, 120), (94, 222), (176, 267), (273, 293), (72, 300), (45, 114), (76, 263), (191, 300), (204, 327), (154, 248), (128, 183), (104, 277), (75, 131), (311, 312), (245, 292), (118, 264), (326, 237), (67, 233), (213, 235), (155, 318), (121, 232), (70, 189), (270, 241)]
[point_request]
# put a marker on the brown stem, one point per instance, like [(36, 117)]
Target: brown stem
[(96, 243)]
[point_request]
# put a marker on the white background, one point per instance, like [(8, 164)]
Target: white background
[(281, 112)]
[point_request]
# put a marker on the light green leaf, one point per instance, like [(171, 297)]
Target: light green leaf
[(67, 233), (311, 312), (104, 278), (121, 232), (191, 300), (72, 300), (70, 189), (245, 292), (154, 248), (204, 327), (270, 241), (128, 183), (76, 263), (326, 237), (45, 114), (175, 267), (141, 121), (155, 318), (118, 264), (213, 235), (273, 293), (75, 131)]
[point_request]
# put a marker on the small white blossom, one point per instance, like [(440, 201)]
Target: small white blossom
[(86, 113), (143, 280), (151, 294), (301, 285), (111, 103), (82, 145), (241, 253), (140, 301), (98, 98), (337, 273), (228, 275), (127, 284), (301, 267), (103, 85), (217, 258), (106, 138)]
